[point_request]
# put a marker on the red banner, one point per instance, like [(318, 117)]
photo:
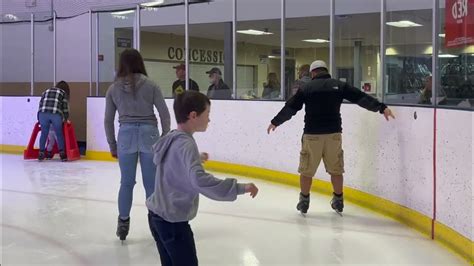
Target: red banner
[(459, 27)]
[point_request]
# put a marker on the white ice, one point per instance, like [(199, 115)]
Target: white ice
[(57, 213)]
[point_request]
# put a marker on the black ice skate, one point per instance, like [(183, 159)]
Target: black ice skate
[(41, 156), (49, 155), (303, 204), (337, 204), (122, 228), (63, 156)]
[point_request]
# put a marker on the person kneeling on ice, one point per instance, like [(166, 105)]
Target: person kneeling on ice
[(322, 138), (180, 178)]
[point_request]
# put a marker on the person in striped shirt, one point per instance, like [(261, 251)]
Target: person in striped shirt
[(53, 111)]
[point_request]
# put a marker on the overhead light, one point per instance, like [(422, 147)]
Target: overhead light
[(447, 56), (10, 17), (316, 40), (391, 51), (254, 32), (122, 12), (273, 56), (154, 3), (442, 35), (428, 50), (403, 24)]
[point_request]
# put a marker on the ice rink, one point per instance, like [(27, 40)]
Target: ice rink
[(57, 213)]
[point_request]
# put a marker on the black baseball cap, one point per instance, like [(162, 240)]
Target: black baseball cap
[(214, 70)]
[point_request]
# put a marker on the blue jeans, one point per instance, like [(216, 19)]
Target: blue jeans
[(135, 141), (175, 241), (46, 120)]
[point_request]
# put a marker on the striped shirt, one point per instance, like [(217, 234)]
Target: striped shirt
[(54, 101)]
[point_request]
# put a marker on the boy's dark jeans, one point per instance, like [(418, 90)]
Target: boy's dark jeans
[(175, 241)]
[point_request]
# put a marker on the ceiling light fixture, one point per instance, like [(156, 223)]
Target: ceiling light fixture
[(403, 24), (316, 40), (10, 17), (447, 56), (254, 32), (122, 12), (153, 4)]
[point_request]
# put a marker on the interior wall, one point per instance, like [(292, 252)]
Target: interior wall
[(295, 7), (77, 106), (16, 53), (18, 119), (455, 177), (155, 46), (72, 63)]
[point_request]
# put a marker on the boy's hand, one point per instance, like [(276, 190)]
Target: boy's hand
[(204, 157), (252, 189), (114, 154), (271, 127), (388, 113)]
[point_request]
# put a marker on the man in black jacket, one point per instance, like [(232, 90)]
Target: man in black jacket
[(322, 137), (218, 89), (179, 86)]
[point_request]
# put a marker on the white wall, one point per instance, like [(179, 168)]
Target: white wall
[(73, 49), (1, 51), (44, 53), (16, 49), (17, 119), (454, 175), (393, 160), (16, 53), (74, 7), (380, 158)]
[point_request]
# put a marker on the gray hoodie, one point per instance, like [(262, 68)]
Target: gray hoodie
[(180, 178), (134, 108)]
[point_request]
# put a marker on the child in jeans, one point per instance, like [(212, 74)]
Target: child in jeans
[(180, 178), (50, 144)]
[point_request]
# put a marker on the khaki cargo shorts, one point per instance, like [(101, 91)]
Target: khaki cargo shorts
[(327, 147)]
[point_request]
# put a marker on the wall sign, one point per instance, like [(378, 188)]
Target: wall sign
[(277, 52), (368, 86), (124, 43), (459, 25), (196, 55)]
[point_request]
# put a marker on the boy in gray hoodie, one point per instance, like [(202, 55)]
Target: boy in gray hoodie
[(180, 178)]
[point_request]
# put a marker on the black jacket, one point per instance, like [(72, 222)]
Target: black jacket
[(180, 85), (322, 98), (221, 91)]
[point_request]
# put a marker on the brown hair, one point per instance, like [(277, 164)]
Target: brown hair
[(303, 71), (65, 87), (272, 80), (130, 63), (187, 102)]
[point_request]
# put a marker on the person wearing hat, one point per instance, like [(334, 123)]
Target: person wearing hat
[(322, 138), (304, 77), (179, 85), (218, 89)]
